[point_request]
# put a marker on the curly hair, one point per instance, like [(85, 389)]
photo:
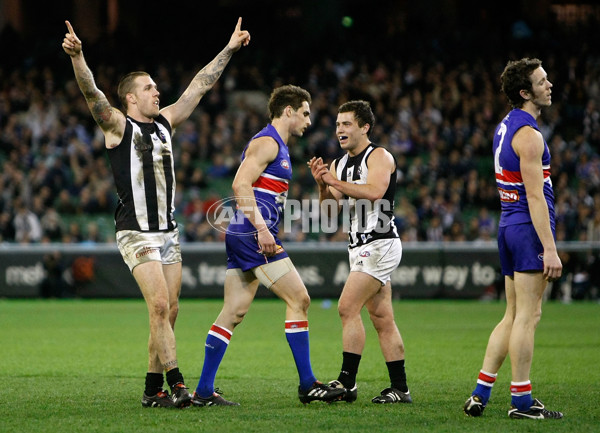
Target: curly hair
[(516, 77)]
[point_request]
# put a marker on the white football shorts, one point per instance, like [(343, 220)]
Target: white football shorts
[(141, 247), (378, 258)]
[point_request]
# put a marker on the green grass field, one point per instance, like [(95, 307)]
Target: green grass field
[(79, 366)]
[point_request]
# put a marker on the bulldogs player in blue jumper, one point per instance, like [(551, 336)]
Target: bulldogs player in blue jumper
[(526, 233), (255, 254)]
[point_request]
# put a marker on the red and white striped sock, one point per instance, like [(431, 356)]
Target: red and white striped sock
[(521, 395)]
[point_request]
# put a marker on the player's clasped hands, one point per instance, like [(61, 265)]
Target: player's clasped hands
[(317, 168)]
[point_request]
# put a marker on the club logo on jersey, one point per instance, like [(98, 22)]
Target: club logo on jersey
[(365, 254), (161, 136), (140, 144), (285, 164), (508, 196), (349, 173)]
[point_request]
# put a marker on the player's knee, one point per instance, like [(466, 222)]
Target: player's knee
[(303, 301), (378, 322), (346, 310), (383, 324), (299, 303), (159, 308)]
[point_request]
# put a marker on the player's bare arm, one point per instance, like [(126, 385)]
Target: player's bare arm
[(529, 146), (109, 119), (259, 154), (380, 164), (205, 79)]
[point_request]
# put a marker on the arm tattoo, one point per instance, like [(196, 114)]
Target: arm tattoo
[(208, 76), (101, 110), (97, 102)]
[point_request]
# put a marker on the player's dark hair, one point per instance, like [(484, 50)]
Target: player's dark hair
[(126, 85), (286, 95), (362, 113), (516, 77)]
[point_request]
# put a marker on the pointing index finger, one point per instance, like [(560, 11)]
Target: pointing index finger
[(238, 26), (70, 27)]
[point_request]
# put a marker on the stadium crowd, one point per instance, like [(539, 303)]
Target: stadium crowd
[(436, 120), (436, 115)]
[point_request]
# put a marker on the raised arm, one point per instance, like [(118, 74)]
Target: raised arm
[(110, 120), (204, 80)]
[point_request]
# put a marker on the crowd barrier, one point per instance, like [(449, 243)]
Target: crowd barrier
[(427, 270)]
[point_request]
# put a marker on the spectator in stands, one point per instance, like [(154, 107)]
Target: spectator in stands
[(65, 203), (51, 225), (92, 234), (218, 167), (435, 231), (73, 234), (27, 224)]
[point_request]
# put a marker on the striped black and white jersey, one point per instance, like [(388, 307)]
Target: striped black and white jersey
[(369, 220), (142, 166)]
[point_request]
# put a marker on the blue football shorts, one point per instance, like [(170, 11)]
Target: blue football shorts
[(243, 251), (520, 249)]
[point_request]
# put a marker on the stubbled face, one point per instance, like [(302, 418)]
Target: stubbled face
[(349, 134), (542, 88), (300, 120), (146, 96)]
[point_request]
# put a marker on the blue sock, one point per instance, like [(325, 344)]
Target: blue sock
[(521, 395), (216, 344), (485, 382), (296, 333)]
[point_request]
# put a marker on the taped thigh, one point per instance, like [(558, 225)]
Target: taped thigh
[(269, 273)]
